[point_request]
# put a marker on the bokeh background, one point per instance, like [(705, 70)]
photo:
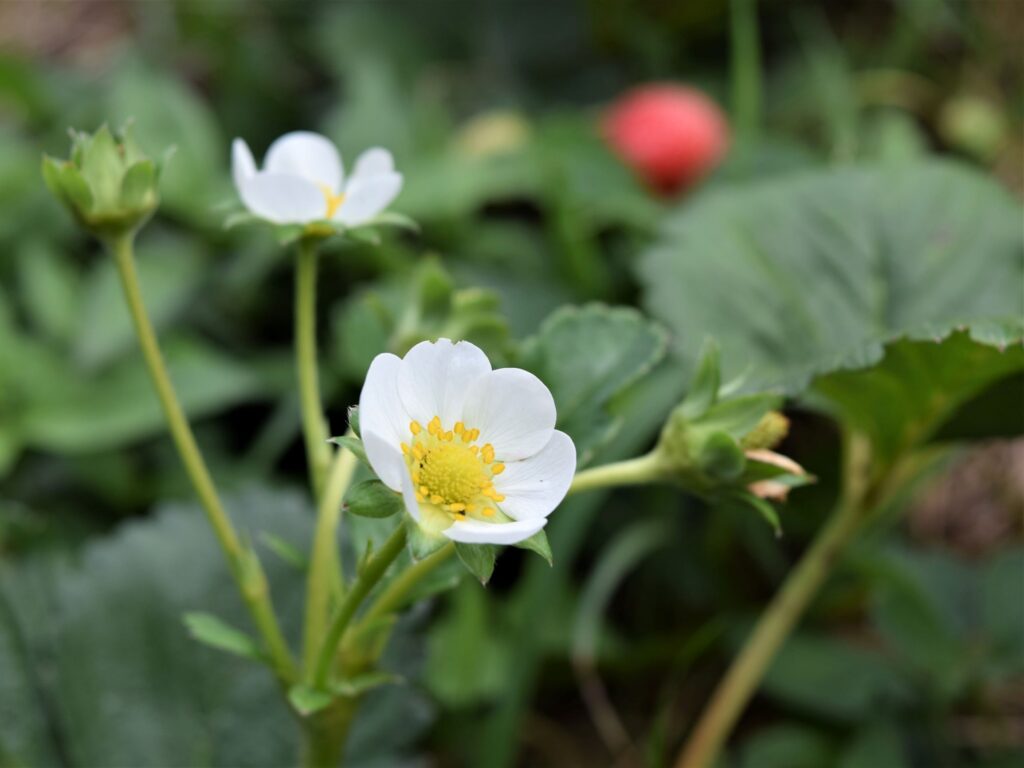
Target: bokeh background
[(911, 657)]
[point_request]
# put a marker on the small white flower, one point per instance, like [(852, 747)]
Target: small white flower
[(302, 181), (474, 451)]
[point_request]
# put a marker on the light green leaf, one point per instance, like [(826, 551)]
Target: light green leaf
[(212, 631), (308, 700)]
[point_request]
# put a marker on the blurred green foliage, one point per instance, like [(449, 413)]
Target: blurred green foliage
[(879, 296)]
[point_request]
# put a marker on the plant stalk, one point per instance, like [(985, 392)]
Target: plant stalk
[(746, 71), (314, 426), (780, 617), (371, 574), (638, 471), (325, 579), (250, 581)]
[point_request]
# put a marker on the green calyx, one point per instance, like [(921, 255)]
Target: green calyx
[(107, 183)]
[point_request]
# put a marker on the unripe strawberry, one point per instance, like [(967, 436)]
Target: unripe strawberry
[(670, 135)]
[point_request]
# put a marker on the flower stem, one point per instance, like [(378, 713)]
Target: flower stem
[(642, 469), (314, 427), (249, 578), (326, 733), (325, 578), (779, 619), (396, 593), (371, 574), (746, 70)]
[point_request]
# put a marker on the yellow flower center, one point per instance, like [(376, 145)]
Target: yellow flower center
[(334, 201), (450, 471)]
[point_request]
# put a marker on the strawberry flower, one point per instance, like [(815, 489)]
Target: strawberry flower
[(473, 451), (303, 181)]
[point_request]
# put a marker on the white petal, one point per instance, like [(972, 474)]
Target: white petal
[(409, 497), (366, 196), (242, 164), (283, 199), (476, 532), (372, 162), (385, 459), (435, 377), (306, 154), (513, 410), (533, 487), (380, 408)]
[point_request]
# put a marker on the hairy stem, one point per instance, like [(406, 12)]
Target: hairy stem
[(779, 618), (642, 469), (371, 574), (325, 579), (314, 427), (243, 568)]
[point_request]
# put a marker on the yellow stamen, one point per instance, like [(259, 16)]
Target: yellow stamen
[(333, 201), (497, 469), (459, 426), (415, 428), (405, 449)]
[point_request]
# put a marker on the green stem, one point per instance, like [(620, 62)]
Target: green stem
[(326, 733), (746, 71), (325, 579), (778, 620), (314, 427), (394, 596), (638, 471), (371, 574), (244, 569)]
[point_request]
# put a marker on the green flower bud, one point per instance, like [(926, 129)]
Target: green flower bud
[(108, 184), (769, 432)]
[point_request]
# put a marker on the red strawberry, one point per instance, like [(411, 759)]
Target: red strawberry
[(670, 135)]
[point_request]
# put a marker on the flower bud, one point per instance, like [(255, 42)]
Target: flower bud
[(108, 184), (769, 432)]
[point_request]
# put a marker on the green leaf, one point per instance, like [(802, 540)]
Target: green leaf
[(538, 543), (353, 444), (285, 550), (353, 419), (371, 498), (210, 630), (478, 559), (308, 700), (903, 400), (589, 356), (814, 273), (360, 684), (786, 746)]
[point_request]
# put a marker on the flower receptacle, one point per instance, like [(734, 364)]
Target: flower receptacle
[(108, 184)]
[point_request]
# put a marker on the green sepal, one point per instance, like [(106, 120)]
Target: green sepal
[(212, 631), (419, 542), (308, 700), (391, 218), (138, 184), (478, 559), (371, 498), (763, 508), (721, 457), (353, 419), (538, 543), (353, 444), (704, 388), (103, 168), (76, 190)]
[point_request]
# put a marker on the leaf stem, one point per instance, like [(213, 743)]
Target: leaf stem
[(314, 426), (371, 574), (642, 469), (395, 594), (243, 565), (325, 578), (780, 617)]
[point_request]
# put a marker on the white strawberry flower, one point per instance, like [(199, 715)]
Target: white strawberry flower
[(474, 451), (303, 181)]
